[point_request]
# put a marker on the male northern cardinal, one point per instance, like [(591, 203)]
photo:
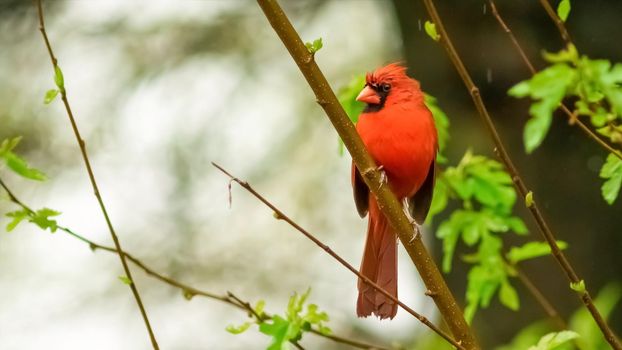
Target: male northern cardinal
[(398, 131)]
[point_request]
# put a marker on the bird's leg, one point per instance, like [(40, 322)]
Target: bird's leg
[(417, 232), (415, 225), (383, 175)]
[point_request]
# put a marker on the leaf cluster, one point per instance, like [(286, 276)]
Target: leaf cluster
[(595, 86), (289, 327)]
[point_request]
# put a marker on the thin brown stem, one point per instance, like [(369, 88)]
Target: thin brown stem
[(281, 216), (520, 186), (572, 119), (558, 21), (189, 291), (387, 202), (87, 163), (542, 300)]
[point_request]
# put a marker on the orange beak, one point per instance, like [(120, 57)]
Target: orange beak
[(369, 96)]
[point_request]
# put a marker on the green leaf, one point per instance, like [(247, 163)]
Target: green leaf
[(20, 167), (430, 29), (449, 232), (8, 145), (563, 9), (16, 163), (578, 287), (50, 95), (531, 250), (549, 87), (296, 303), (482, 284), (125, 279), (259, 307), (315, 46), (277, 328), (509, 297), (612, 172), (58, 78), (18, 216), (569, 55), (484, 279), (517, 225), (527, 336), (553, 340), (42, 219), (347, 97), (521, 89), (295, 323), (536, 128), (238, 329)]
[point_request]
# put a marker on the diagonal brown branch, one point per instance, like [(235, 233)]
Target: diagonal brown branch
[(520, 186), (572, 119), (89, 170), (390, 207), (281, 216), (189, 291)]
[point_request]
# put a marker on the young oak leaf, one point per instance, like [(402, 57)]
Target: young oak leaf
[(42, 219)]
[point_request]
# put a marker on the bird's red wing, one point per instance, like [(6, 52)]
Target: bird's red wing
[(419, 203), (361, 192)]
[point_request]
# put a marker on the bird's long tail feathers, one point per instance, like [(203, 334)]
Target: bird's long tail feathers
[(379, 265)]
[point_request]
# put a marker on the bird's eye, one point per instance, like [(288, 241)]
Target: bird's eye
[(385, 87)]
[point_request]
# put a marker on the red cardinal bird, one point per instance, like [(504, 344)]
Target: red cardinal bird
[(398, 131)]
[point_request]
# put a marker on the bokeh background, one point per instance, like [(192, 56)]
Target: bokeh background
[(160, 89)]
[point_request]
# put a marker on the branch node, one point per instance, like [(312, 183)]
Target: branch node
[(322, 103), (309, 58), (430, 293), (573, 118)]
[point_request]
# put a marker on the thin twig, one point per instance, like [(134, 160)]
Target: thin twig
[(572, 119), (281, 216), (517, 180), (87, 163), (189, 291), (541, 299), (387, 202), (558, 21)]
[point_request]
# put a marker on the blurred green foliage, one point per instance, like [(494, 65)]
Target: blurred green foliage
[(596, 88)]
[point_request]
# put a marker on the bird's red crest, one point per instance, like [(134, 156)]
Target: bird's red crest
[(390, 73)]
